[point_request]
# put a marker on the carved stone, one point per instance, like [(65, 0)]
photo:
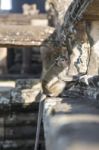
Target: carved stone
[(30, 9), (3, 60), (93, 68), (80, 50), (26, 91)]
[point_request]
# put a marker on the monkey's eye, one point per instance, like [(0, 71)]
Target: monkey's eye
[(63, 59), (60, 59)]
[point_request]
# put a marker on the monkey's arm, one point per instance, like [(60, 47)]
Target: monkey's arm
[(67, 78), (83, 78)]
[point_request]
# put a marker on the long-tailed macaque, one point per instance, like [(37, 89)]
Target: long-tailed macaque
[(55, 69)]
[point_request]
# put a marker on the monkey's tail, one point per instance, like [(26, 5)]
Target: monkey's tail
[(40, 115)]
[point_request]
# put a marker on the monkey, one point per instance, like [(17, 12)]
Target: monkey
[(55, 70), (55, 79)]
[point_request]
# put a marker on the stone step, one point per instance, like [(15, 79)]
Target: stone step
[(71, 124), (19, 144), (17, 108)]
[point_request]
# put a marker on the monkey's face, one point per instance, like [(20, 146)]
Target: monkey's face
[(62, 61)]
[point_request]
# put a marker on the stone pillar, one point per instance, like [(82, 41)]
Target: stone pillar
[(93, 68), (3, 60), (26, 60), (80, 50)]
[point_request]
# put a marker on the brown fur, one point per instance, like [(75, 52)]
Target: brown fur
[(55, 69)]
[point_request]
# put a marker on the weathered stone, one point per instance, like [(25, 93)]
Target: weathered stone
[(56, 12), (26, 91), (26, 60), (19, 18), (3, 60), (30, 9), (80, 50), (4, 100), (82, 89), (93, 68), (28, 84), (5, 88), (25, 97), (23, 35), (2, 130), (68, 122), (4, 94)]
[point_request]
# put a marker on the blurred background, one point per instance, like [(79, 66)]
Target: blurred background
[(21, 60), (15, 6)]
